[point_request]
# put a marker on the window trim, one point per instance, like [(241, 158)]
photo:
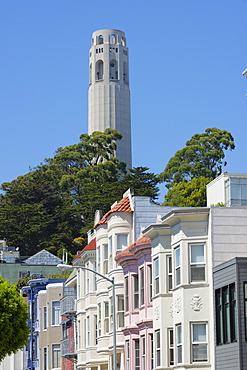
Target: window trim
[(194, 343), (156, 276), (197, 264), (177, 265)]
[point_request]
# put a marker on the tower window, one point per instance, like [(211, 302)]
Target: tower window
[(101, 40), (112, 39), (99, 70), (123, 41), (113, 70)]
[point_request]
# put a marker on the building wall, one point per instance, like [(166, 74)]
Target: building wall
[(50, 333)]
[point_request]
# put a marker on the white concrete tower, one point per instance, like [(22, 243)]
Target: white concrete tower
[(109, 94)]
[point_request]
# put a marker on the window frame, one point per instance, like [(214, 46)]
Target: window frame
[(169, 273), (197, 265), (157, 348), (156, 276), (55, 313), (179, 343), (170, 333), (199, 342), (142, 286), (177, 252), (136, 291), (56, 360)]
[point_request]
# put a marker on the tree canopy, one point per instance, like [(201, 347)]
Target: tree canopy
[(55, 202), (13, 319), (203, 155), (191, 168)]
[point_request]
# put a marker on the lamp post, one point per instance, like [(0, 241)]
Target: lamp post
[(63, 267)]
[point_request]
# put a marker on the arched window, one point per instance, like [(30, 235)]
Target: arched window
[(123, 41), (101, 40), (125, 72), (99, 70), (113, 70), (112, 39)]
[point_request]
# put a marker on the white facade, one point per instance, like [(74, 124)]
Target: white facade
[(229, 189), (196, 240), (109, 94)]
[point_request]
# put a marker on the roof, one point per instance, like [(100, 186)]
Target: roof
[(89, 247), (127, 252), (43, 258), (122, 206)]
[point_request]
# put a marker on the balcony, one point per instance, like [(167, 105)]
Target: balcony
[(67, 305), (68, 348)]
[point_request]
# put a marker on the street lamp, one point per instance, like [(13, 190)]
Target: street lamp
[(63, 267)]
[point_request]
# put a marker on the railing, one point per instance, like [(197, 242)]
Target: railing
[(68, 348), (67, 305)]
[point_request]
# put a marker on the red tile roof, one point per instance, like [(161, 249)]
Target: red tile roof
[(122, 206), (90, 246), (127, 251)]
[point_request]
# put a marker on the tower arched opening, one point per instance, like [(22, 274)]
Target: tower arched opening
[(112, 39), (99, 70), (113, 69)]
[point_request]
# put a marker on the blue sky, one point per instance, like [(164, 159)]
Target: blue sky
[(186, 63)]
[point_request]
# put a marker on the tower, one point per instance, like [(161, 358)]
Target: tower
[(109, 94)]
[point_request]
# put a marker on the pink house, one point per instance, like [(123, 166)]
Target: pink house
[(138, 326)]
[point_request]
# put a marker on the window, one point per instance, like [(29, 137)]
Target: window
[(169, 273), (110, 253), (143, 352), (170, 347), (105, 263), (122, 242), (236, 191), (98, 258), (101, 39), (126, 294), (55, 313), (45, 359), (127, 355), (88, 331), (226, 314), (78, 334), (56, 359), (150, 282), (157, 348), (156, 276), (137, 355), (245, 308), (95, 330), (44, 317), (142, 285), (177, 266), (197, 262), (95, 275), (179, 343), (107, 317), (78, 283), (99, 70), (100, 317), (152, 351), (136, 291), (87, 278), (199, 342), (120, 311)]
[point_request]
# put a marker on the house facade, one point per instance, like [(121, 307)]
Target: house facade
[(43, 348), (138, 309)]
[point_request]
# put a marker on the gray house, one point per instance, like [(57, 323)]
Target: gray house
[(230, 310)]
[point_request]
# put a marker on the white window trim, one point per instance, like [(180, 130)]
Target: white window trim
[(197, 263), (199, 342)]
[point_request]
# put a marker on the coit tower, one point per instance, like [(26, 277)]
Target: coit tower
[(109, 94)]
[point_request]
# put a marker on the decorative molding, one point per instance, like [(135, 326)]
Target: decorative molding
[(157, 312), (196, 302), (177, 305), (171, 310)]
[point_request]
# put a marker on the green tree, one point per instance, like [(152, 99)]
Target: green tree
[(203, 155), (188, 193), (55, 203), (23, 281), (13, 319)]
